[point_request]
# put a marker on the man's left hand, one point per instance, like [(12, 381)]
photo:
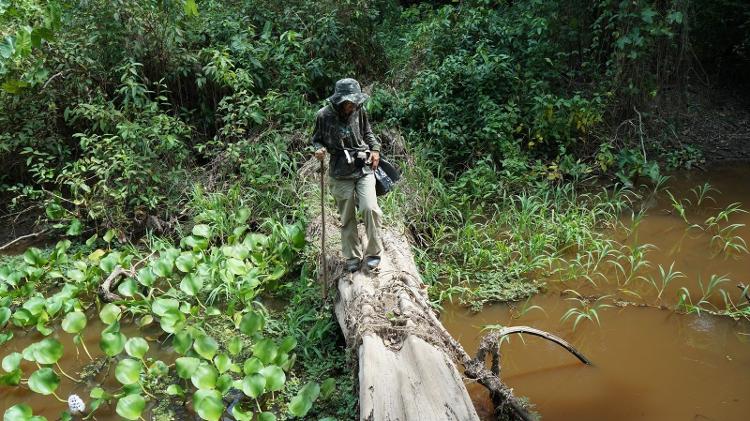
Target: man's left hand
[(375, 158)]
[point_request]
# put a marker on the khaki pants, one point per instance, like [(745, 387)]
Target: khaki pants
[(347, 194)]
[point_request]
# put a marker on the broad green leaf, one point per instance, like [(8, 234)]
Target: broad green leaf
[(275, 377), (236, 266), (204, 376), (128, 371), (251, 323), (74, 322), (186, 366), (300, 405), (202, 230), (110, 313), (252, 365), (131, 406), (235, 345), (136, 347), (112, 343), (172, 321), (186, 262), (222, 362), (48, 351), (146, 277), (19, 412), (12, 362), (161, 306), (327, 387), (75, 228), (288, 344), (11, 379), (240, 414), (5, 314), (267, 416), (44, 381), (266, 350), (182, 342), (128, 287), (208, 404), (163, 267), (191, 284), (224, 383), (254, 385), (175, 390), (35, 305), (158, 369), (205, 346)]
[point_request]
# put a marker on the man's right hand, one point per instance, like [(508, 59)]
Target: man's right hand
[(320, 154)]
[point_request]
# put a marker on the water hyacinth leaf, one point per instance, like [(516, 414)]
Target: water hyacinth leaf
[(11, 379), (182, 342), (75, 275), (254, 385), (204, 376), (108, 263), (252, 365), (186, 366), (222, 362), (205, 346), (208, 404), (266, 350), (74, 322), (136, 347), (23, 317), (5, 337), (128, 371), (224, 383), (267, 416), (251, 323), (235, 346), (275, 377), (202, 230), (112, 343), (75, 228), (109, 235), (191, 285), (175, 390), (19, 412), (241, 415), (310, 391), (327, 387), (195, 243), (131, 406), (5, 313), (163, 267), (110, 313), (12, 362), (35, 305), (128, 287), (33, 256), (161, 306), (299, 406), (236, 266), (146, 277), (186, 262), (44, 381), (145, 320), (48, 351)]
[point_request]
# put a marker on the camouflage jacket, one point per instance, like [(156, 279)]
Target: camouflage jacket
[(336, 133)]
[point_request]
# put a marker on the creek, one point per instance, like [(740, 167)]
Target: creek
[(650, 361)]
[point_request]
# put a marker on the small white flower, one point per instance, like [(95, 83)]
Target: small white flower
[(76, 405)]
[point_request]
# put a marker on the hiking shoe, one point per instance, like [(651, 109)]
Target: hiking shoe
[(353, 265), (373, 262)]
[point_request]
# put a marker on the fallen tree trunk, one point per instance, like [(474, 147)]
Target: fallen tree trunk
[(405, 355)]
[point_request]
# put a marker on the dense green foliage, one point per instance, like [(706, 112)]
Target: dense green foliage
[(169, 133)]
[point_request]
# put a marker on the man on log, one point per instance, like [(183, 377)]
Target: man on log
[(342, 128)]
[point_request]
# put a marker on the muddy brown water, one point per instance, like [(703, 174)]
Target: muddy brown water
[(650, 363)]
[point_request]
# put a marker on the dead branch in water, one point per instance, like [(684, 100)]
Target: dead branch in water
[(23, 237)]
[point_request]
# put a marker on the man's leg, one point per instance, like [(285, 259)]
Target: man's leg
[(371, 213), (343, 191)]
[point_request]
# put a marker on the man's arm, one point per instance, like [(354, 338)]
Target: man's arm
[(318, 137), (369, 137)]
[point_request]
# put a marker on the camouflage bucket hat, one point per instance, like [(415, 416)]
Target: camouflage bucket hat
[(348, 90)]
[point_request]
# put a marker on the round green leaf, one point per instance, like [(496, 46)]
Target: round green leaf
[(163, 267), (74, 322), (288, 344), (110, 313), (186, 262), (186, 366), (131, 406), (175, 390), (112, 343), (202, 230), (4, 315), (267, 416), (128, 287), (136, 347), (251, 323), (275, 377), (182, 342), (19, 412), (191, 284), (161, 306), (146, 277), (327, 387), (158, 368), (128, 371), (254, 385), (48, 351), (300, 405), (252, 365), (266, 350), (236, 266), (222, 362), (12, 362), (206, 346), (235, 345), (208, 404), (44, 381), (204, 376)]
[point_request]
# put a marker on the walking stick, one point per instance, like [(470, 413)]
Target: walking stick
[(323, 232)]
